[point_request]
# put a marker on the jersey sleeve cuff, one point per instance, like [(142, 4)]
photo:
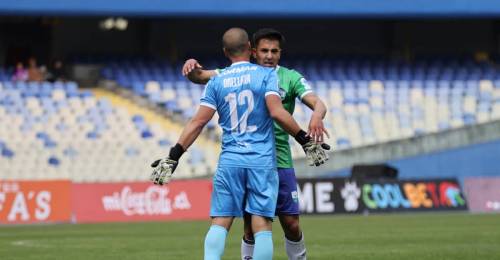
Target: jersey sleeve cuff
[(208, 105), (305, 93), (273, 93)]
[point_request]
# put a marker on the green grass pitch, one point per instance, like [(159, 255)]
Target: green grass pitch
[(401, 236)]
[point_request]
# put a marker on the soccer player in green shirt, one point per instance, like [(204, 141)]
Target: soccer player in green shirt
[(267, 52)]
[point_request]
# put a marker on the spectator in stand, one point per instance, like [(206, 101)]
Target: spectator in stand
[(57, 72), (45, 73), (34, 72), (21, 74)]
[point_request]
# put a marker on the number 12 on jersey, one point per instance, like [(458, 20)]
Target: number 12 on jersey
[(238, 124)]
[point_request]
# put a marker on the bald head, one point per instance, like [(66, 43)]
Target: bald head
[(235, 42)]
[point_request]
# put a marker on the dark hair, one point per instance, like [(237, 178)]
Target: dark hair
[(267, 33)]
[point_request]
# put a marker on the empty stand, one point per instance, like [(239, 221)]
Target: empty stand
[(56, 131), (369, 101)]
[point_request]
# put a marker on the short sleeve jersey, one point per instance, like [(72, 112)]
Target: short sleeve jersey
[(238, 94), (292, 85)]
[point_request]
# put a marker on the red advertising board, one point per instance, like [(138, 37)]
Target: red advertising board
[(483, 194), (34, 201), (141, 201)]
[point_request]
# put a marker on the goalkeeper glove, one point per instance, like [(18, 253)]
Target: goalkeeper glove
[(164, 168), (315, 153)]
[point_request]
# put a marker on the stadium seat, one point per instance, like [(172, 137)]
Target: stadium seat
[(399, 99), (59, 136)]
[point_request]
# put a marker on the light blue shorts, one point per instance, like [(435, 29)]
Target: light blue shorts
[(236, 190)]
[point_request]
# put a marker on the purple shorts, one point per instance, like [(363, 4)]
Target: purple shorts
[(288, 197)]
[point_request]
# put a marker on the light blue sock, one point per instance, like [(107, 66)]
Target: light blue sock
[(263, 249), (214, 242)]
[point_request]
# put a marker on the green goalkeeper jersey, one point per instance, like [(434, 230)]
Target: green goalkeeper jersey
[(292, 85)]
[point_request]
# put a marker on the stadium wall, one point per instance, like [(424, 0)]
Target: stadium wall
[(468, 151), (175, 39), (92, 40), (471, 161), (475, 160), (20, 40)]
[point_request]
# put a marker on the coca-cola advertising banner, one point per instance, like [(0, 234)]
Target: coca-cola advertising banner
[(106, 202), (483, 194), (34, 201), (337, 195)]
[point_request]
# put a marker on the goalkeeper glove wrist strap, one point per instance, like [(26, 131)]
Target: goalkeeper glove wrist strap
[(302, 138), (176, 152)]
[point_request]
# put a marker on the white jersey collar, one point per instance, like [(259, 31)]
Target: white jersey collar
[(240, 62)]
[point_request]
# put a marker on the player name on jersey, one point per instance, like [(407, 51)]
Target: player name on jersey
[(236, 81)]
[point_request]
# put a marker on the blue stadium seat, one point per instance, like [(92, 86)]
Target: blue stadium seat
[(450, 84)]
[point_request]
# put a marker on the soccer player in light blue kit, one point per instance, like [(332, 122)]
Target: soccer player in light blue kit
[(267, 52), (246, 97)]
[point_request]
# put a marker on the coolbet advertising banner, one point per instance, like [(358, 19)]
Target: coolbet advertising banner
[(327, 196), (106, 202), (34, 201), (483, 194)]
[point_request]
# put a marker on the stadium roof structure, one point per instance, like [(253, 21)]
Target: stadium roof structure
[(257, 8)]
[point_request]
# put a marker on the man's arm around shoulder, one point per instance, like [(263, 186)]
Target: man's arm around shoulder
[(195, 72)]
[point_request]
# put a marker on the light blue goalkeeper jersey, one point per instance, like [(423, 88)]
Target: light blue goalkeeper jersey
[(238, 94)]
